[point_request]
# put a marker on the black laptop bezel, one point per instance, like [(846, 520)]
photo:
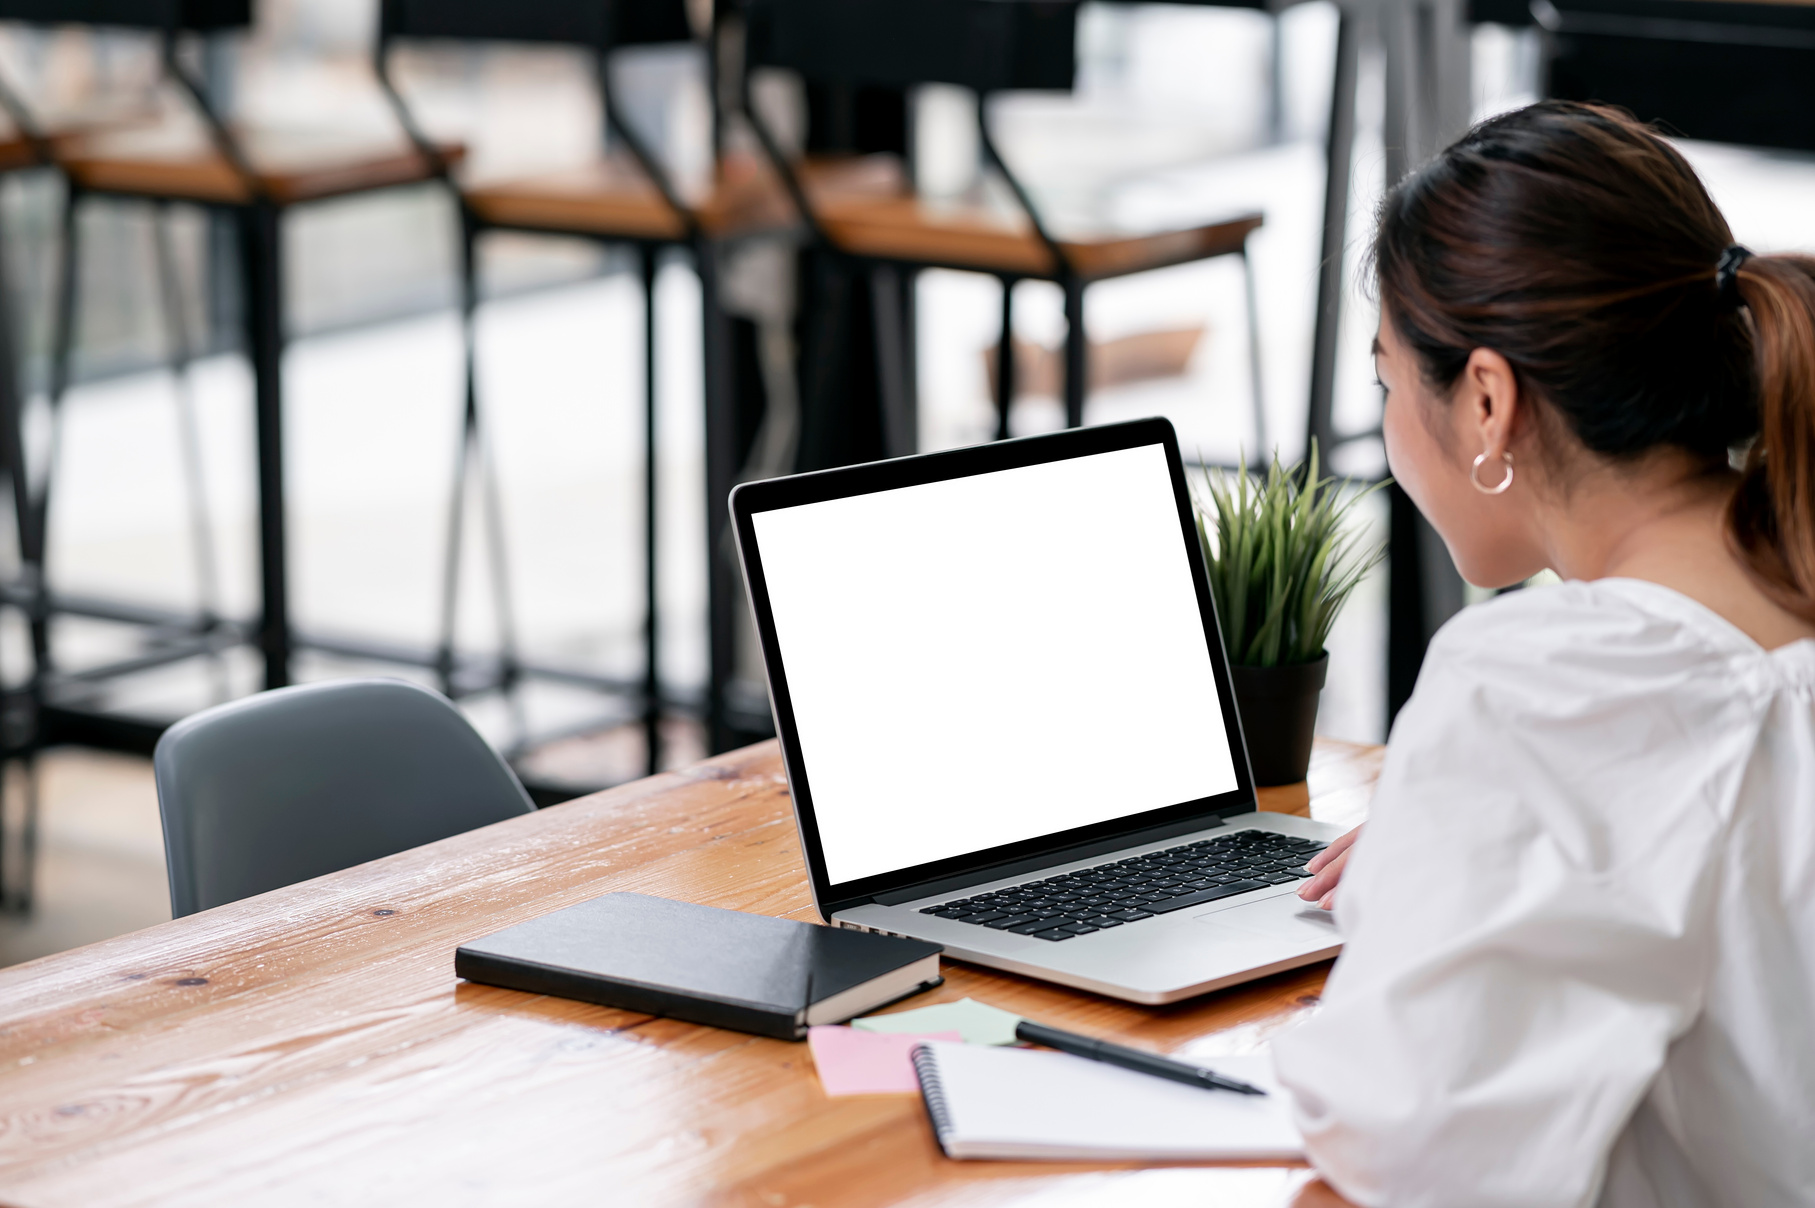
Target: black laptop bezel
[(750, 499)]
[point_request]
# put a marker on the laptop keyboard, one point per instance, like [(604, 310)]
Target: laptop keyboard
[(1127, 891)]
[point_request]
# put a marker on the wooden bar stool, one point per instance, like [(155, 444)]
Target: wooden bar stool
[(29, 143), (867, 209), (252, 173), (627, 197)]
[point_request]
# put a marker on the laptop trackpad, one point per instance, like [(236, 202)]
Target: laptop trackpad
[(1284, 917)]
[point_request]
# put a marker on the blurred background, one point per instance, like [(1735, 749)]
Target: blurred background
[(150, 575)]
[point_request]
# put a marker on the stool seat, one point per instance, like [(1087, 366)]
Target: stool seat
[(16, 152), (292, 165), (866, 207), (615, 198)]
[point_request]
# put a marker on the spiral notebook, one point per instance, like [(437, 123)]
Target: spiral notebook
[(1027, 1104)]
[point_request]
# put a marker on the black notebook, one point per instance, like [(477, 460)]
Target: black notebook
[(750, 972)]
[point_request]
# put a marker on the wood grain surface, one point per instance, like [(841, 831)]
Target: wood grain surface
[(291, 165), (913, 230), (863, 203), (614, 198), (16, 152), (312, 1045), (867, 207)]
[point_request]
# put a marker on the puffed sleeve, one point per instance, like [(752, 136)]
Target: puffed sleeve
[(1526, 916)]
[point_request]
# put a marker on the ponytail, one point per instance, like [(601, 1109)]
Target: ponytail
[(1580, 245), (1772, 517)]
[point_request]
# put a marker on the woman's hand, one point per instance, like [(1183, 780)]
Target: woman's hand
[(1328, 865)]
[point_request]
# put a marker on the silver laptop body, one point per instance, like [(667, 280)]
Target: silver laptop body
[(1001, 695)]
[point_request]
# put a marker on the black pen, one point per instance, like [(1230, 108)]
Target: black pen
[(1129, 1059)]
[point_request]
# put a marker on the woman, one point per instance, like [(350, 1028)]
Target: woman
[(1580, 928)]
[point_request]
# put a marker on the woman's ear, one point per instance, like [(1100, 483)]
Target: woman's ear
[(1486, 406)]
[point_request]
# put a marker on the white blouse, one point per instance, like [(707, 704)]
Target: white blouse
[(1580, 927)]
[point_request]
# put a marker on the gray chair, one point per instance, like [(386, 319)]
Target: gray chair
[(297, 782)]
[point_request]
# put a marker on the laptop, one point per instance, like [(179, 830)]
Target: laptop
[(1004, 708)]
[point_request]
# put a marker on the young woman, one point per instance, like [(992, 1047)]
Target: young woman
[(1580, 961)]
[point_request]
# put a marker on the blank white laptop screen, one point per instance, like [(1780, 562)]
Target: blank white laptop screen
[(989, 659)]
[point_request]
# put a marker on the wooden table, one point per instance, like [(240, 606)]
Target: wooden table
[(313, 1045)]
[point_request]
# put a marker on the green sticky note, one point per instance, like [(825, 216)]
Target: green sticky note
[(977, 1022)]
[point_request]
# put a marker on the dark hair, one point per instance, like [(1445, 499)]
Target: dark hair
[(1581, 246)]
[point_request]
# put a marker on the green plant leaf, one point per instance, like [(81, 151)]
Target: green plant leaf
[(1283, 557)]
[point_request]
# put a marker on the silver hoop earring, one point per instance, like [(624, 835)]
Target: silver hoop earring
[(1474, 475)]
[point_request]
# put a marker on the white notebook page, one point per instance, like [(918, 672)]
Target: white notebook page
[(1031, 1104)]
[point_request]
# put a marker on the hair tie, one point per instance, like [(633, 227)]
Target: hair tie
[(1726, 276)]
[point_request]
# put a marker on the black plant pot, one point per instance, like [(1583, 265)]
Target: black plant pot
[(1278, 707)]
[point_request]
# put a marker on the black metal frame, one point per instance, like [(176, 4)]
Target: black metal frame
[(175, 636), (602, 38), (53, 709), (987, 72), (25, 712), (20, 740), (260, 246), (1424, 589), (256, 220), (1724, 71)]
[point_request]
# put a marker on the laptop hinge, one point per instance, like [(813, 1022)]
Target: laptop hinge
[(1065, 855)]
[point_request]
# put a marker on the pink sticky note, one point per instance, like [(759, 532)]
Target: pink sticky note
[(866, 1063)]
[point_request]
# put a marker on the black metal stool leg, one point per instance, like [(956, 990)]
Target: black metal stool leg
[(652, 677), (18, 712), (1320, 420), (261, 266), (34, 528), (474, 449), (471, 448), (1077, 353), (21, 900), (497, 544), (721, 476), (510, 666), (1262, 447), (1005, 360), (6, 890), (12, 454), (35, 525), (463, 450), (450, 572), (181, 354), (900, 424)]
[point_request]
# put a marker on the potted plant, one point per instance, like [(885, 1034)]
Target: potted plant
[(1283, 560)]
